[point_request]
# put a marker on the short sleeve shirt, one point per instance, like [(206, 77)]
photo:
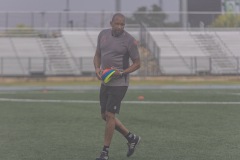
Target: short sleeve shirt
[(116, 52)]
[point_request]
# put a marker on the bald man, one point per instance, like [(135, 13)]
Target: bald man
[(115, 47)]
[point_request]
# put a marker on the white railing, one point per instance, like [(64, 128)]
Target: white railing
[(170, 66), (73, 19)]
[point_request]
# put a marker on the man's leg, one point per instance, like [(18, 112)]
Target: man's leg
[(110, 127), (109, 130), (113, 123), (110, 104), (120, 127), (133, 140)]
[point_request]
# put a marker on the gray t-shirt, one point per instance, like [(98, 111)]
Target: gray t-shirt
[(116, 52)]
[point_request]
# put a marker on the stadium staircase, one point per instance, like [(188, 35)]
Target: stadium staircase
[(220, 55), (59, 62)]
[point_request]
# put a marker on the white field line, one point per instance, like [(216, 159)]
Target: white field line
[(126, 102)]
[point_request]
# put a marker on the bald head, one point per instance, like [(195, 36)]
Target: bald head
[(117, 23), (118, 15)]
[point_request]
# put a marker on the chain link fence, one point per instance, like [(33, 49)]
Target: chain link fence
[(71, 19)]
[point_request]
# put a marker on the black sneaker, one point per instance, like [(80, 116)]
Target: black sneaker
[(132, 145), (103, 156)]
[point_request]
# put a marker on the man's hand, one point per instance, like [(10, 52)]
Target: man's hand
[(117, 72), (98, 72)]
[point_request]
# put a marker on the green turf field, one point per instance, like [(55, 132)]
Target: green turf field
[(174, 125)]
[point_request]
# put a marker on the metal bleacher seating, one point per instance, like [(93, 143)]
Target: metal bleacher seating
[(6, 48), (231, 39), (173, 43), (82, 45), (71, 53), (194, 48), (15, 53), (28, 47), (179, 49)]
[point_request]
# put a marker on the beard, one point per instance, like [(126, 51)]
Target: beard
[(117, 33)]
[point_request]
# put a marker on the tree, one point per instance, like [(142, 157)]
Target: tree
[(152, 18), (21, 30), (227, 20)]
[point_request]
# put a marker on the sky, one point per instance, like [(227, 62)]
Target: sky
[(83, 5)]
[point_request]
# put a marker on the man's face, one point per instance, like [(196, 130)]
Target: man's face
[(118, 24)]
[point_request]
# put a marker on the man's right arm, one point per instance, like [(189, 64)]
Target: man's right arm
[(97, 63)]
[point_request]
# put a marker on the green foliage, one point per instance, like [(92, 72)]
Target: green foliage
[(227, 20), (21, 30), (152, 18)]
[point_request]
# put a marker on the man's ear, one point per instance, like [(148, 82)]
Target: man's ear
[(111, 23)]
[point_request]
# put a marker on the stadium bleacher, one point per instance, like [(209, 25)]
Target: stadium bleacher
[(80, 43), (15, 53), (6, 48), (231, 39), (182, 52), (220, 46), (28, 47)]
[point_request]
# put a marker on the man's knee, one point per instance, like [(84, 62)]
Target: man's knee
[(109, 116)]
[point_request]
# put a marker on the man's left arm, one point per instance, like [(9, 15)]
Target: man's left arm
[(134, 56), (135, 66)]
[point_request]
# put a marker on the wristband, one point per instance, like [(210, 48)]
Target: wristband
[(121, 73)]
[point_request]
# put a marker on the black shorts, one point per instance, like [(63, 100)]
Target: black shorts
[(111, 97)]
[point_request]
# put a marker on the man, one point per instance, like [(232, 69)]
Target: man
[(114, 49)]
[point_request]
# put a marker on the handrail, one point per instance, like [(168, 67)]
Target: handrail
[(16, 54), (224, 44), (40, 46), (90, 39), (175, 48), (207, 67), (227, 49), (70, 51), (218, 52)]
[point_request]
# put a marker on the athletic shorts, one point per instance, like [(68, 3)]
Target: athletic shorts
[(111, 97)]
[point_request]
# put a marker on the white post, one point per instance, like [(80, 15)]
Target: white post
[(184, 13)]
